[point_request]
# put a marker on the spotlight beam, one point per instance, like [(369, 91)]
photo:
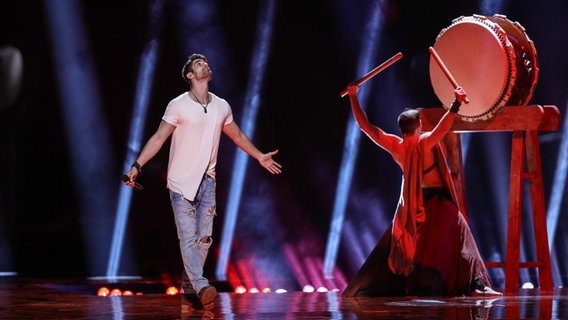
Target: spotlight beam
[(557, 193), (351, 145), (86, 131), (252, 102), (143, 90)]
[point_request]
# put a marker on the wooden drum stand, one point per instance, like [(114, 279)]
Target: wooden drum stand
[(524, 122)]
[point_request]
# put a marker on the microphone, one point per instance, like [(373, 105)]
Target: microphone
[(125, 178)]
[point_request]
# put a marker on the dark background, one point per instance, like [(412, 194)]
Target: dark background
[(313, 54)]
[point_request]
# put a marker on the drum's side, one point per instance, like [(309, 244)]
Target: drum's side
[(526, 60)]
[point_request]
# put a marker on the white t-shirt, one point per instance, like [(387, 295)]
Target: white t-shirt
[(195, 141)]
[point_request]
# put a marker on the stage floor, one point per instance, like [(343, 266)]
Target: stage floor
[(66, 299)]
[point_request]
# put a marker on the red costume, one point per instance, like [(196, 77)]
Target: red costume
[(429, 249)]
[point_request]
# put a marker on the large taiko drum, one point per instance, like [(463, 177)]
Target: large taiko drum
[(492, 58)]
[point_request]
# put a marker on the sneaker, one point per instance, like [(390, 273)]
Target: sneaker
[(486, 292), (207, 295)]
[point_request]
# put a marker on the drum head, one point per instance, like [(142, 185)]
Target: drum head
[(480, 59)]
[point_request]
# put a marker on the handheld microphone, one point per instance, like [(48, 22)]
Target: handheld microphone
[(137, 185)]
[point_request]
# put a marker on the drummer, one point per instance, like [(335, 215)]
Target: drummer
[(429, 249)]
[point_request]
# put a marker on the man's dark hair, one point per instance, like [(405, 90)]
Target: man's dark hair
[(409, 120), (188, 64)]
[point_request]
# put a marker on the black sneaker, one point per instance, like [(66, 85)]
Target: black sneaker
[(207, 295)]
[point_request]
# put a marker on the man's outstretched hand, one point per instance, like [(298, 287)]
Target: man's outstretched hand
[(269, 164)]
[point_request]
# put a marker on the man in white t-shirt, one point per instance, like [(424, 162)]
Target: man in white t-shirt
[(195, 120)]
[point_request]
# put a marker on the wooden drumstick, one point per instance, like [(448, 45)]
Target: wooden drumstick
[(445, 70), (374, 72)]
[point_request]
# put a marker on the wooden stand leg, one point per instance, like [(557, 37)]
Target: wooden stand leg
[(525, 143), (539, 212), (515, 213)]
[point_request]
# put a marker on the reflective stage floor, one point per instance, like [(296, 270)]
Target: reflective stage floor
[(65, 299)]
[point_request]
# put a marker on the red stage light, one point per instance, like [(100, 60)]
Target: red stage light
[(240, 290), (171, 291), (115, 292), (103, 292)]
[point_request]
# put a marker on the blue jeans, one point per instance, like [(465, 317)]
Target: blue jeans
[(194, 223)]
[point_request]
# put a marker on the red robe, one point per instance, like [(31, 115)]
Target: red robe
[(428, 250)]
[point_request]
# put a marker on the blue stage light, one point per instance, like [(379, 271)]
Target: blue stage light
[(140, 110), (86, 131), (351, 144), (557, 196), (248, 123)]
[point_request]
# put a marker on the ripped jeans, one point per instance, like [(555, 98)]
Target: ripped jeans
[(194, 223)]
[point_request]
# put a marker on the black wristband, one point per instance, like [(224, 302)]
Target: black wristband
[(455, 107), (137, 166)]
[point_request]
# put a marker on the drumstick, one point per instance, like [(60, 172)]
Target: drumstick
[(374, 72), (445, 70)]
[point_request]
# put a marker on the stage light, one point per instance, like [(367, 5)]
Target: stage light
[(246, 269), (322, 289), (308, 289), (527, 285), (127, 293), (248, 123), (172, 291), (240, 290), (266, 290), (86, 131), (281, 291), (8, 274), (115, 292), (234, 278), (557, 193), (253, 290), (339, 279), (103, 292), (314, 271), (140, 110), (295, 265), (11, 74), (358, 253), (351, 144)]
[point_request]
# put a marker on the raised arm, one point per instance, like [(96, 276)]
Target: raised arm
[(433, 137), (382, 139), (233, 131)]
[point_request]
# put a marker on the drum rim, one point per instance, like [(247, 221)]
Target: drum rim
[(532, 79)]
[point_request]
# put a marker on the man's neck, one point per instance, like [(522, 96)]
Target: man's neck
[(411, 136), (200, 91)]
